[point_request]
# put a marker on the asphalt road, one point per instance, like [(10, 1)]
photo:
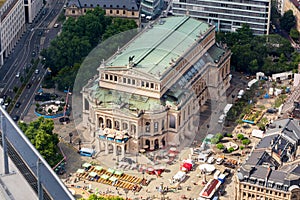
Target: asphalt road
[(37, 36)]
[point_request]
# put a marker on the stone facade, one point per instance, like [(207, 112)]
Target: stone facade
[(157, 106), (124, 9)]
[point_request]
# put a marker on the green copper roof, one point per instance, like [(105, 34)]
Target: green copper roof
[(163, 42)]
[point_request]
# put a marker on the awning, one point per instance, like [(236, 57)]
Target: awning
[(99, 168), (110, 170), (119, 173), (113, 179), (104, 176), (93, 174), (80, 171), (86, 165)]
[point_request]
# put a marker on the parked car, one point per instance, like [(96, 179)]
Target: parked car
[(219, 161), (16, 118), (17, 104), (211, 160)]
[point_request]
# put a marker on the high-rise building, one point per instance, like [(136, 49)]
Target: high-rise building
[(12, 25), (228, 15), (151, 8), (32, 8), (147, 96)]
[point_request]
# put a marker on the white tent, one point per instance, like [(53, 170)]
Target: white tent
[(207, 168), (257, 133), (179, 176)]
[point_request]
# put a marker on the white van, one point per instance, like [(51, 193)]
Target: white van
[(211, 160), (221, 119)]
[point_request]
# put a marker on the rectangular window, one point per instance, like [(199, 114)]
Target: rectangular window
[(106, 76), (155, 126), (151, 85), (133, 82), (163, 124), (115, 78), (143, 84), (111, 77), (147, 84), (124, 80), (129, 81), (124, 12)]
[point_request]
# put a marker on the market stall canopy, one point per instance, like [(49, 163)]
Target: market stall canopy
[(173, 149), (207, 168), (119, 173), (110, 170), (86, 165), (93, 174), (99, 168), (113, 179), (80, 171), (105, 177)]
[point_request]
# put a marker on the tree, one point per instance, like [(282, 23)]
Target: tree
[(40, 133), (246, 141), (219, 136), (214, 140), (230, 149), (240, 136), (287, 21), (220, 146), (242, 147), (294, 34)]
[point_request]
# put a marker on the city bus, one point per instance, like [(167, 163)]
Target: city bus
[(87, 152)]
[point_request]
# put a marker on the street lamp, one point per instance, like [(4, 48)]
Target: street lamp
[(126, 192), (71, 135)]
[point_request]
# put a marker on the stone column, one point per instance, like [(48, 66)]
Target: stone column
[(106, 147), (123, 151)]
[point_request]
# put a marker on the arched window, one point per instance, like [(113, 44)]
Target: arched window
[(133, 128), (117, 125), (125, 126), (108, 123)]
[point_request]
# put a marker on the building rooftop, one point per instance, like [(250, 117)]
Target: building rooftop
[(261, 167), (124, 4), (14, 184), (161, 44)]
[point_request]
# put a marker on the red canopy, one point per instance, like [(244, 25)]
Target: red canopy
[(188, 166)]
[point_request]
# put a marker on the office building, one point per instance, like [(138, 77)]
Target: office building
[(228, 15), (152, 8), (147, 96), (12, 26), (32, 8)]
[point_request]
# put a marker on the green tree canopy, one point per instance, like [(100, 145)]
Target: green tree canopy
[(40, 133), (77, 39), (288, 20)]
